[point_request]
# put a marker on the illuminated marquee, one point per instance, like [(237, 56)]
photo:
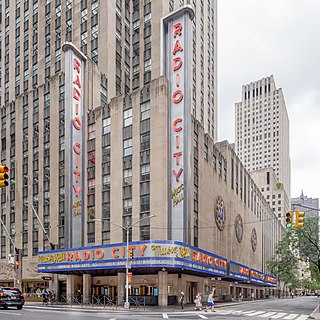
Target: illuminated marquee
[(176, 57), (256, 276), (149, 253), (238, 271), (74, 148), (270, 281)]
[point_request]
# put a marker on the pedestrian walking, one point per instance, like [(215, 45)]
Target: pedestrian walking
[(252, 295), (45, 297), (210, 303), (198, 302), (240, 296), (182, 299)]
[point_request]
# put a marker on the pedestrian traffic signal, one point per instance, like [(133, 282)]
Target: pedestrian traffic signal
[(4, 176), (289, 220), (299, 219)]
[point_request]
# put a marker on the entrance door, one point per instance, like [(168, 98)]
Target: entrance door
[(191, 291), (62, 287)]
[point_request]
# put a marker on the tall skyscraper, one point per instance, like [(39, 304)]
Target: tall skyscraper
[(108, 124), (262, 132)]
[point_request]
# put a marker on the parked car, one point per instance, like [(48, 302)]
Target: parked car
[(11, 297)]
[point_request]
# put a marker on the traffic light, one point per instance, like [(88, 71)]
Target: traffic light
[(16, 259), (289, 220), (4, 176), (130, 254), (299, 219)]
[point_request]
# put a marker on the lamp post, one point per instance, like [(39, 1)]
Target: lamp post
[(14, 254), (127, 229)]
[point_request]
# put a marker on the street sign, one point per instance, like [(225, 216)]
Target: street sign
[(46, 278)]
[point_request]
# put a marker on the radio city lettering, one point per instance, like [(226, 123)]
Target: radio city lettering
[(244, 270), (139, 250), (77, 125), (256, 275), (177, 114), (271, 279)]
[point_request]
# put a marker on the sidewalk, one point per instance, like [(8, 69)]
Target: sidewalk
[(170, 308)]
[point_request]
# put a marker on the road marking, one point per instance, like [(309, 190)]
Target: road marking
[(11, 313), (165, 316), (248, 313), (268, 314), (291, 316), (201, 316), (303, 317), (279, 315), (255, 313)]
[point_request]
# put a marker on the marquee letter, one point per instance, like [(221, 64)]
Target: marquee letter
[(174, 127), (77, 123), (177, 63), (177, 28), (77, 81), (177, 174), (177, 96), (76, 65), (77, 173), (76, 190), (177, 156), (76, 148), (76, 94), (177, 47)]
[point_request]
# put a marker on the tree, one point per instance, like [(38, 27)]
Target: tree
[(284, 264), (308, 244)]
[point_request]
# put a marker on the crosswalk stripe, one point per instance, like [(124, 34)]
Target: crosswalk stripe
[(255, 313), (165, 316), (202, 317), (247, 313), (266, 315), (225, 311), (279, 315), (303, 317), (291, 316)]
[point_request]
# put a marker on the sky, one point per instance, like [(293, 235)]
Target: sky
[(259, 38)]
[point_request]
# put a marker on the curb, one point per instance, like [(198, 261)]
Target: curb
[(315, 313)]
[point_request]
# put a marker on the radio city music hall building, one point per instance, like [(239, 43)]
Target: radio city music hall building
[(117, 163), (212, 227)]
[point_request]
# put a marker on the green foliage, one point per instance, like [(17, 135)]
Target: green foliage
[(285, 264), (298, 244), (279, 185), (308, 244)]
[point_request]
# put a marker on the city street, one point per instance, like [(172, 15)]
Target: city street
[(286, 309)]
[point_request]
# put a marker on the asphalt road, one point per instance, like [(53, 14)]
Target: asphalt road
[(285, 309)]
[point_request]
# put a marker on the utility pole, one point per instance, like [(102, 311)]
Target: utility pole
[(17, 268)]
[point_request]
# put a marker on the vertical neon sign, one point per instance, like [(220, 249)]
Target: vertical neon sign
[(176, 65), (74, 147)]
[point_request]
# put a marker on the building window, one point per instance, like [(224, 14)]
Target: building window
[(127, 147), (127, 117)]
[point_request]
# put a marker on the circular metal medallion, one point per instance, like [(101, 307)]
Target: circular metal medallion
[(239, 228), (220, 213), (254, 240)]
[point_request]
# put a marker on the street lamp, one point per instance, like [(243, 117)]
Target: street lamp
[(127, 229)]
